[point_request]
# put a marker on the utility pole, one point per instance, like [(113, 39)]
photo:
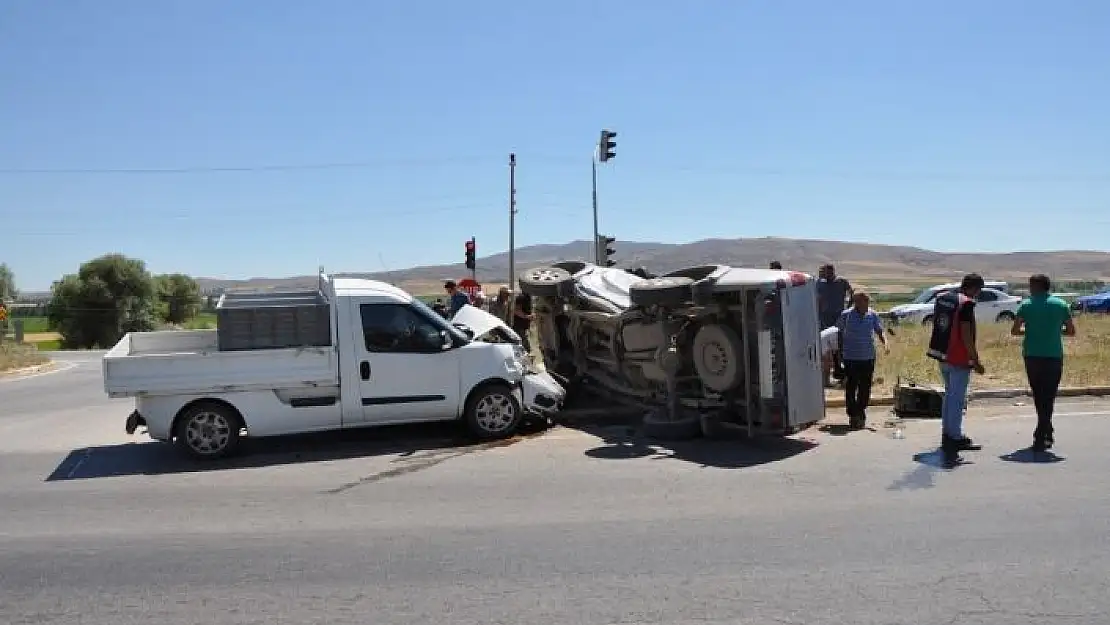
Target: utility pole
[(512, 221), (593, 170)]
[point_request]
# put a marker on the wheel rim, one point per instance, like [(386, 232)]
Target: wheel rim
[(207, 432), (544, 275), (495, 412), (715, 358)]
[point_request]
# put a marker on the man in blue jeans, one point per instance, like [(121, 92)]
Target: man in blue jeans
[(953, 344)]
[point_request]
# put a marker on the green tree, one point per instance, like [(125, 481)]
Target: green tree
[(108, 297), (7, 283), (178, 297)]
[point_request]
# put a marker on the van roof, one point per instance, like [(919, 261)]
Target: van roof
[(360, 287)]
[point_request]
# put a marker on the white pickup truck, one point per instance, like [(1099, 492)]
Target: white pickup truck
[(389, 360)]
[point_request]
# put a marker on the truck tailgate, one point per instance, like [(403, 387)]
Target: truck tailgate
[(187, 362)]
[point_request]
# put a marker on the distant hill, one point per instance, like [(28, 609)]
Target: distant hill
[(888, 265)]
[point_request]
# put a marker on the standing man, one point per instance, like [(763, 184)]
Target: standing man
[(1043, 320), (953, 344), (522, 319), (858, 326), (458, 298), (499, 306), (833, 293)]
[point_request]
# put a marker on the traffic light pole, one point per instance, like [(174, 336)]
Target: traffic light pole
[(474, 269), (593, 170), (512, 221)]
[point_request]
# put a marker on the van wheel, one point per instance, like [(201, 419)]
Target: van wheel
[(1005, 317), (927, 321), (208, 430), (492, 412)]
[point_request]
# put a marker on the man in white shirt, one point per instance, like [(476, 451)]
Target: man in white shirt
[(830, 345)]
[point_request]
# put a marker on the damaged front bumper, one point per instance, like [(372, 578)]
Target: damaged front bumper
[(541, 394)]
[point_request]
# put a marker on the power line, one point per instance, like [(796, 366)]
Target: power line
[(260, 168)]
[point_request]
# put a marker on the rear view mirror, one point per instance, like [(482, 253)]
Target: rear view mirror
[(465, 329)]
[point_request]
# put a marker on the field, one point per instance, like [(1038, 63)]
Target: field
[(1086, 362), (14, 356)]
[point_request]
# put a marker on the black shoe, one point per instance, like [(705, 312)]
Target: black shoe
[(966, 444)]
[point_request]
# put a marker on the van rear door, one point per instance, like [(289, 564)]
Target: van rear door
[(805, 389)]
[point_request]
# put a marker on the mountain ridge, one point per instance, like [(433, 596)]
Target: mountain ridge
[(879, 263)]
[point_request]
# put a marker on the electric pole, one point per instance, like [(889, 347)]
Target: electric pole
[(512, 221)]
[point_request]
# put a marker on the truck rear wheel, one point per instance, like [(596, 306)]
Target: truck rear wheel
[(208, 430), (492, 412)]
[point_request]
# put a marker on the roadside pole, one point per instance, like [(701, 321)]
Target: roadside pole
[(593, 170), (474, 266), (512, 221)]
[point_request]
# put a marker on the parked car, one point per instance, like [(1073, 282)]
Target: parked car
[(992, 306), (354, 353), (1095, 303), (693, 347), (929, 294)]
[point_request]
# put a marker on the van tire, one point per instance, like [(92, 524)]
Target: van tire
[(1005, 317), (551, 281), (492, 412), (208, 430)]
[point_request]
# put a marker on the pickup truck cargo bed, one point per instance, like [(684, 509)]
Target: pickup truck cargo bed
[(188, 361)]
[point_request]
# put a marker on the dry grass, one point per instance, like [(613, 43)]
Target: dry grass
[(14, 356), (1086, 360)]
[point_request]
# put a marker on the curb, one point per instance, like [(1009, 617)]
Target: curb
[(990, 393), (46, 366)]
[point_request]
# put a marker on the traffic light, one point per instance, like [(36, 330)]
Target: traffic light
[(606, 147), (471, 250), (604, 251)]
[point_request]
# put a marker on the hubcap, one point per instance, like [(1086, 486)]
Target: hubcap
[(207, 432), (495, 413)]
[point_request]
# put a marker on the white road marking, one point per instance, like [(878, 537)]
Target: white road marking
[(1092, 413), (61, 365)]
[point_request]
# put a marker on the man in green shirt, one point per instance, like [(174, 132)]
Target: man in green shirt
[(1043, 320)]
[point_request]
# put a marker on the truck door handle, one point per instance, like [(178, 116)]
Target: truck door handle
[(364, 369)]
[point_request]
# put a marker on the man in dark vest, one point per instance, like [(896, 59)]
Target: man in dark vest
[(953, 344)]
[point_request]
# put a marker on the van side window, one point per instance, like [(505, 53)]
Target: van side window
[(397, 328), (987, 296)]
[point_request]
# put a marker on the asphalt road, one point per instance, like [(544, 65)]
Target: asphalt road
[(563, 527)]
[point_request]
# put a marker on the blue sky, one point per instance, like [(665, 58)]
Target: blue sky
[(953, 125)]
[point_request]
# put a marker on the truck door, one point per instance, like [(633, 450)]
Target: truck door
[(404, 372), (805, 389)]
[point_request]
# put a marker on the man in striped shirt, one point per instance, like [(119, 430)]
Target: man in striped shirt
[(859, 325)]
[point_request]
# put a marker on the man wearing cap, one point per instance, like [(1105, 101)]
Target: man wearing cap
[(458, 298), (953, 343)]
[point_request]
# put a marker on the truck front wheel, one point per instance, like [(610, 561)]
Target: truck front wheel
[(493, 412), (208, 430)]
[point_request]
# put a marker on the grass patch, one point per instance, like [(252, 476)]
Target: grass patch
[(203, 321), (13, 356), (51, 345), (31, 325), (1086, 359)]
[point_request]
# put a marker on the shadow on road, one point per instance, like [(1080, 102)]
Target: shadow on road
[(156, 458), (1030, 456), (923, 476), (626, 442)]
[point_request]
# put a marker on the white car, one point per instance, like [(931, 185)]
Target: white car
[(352, 354), (992, 306)]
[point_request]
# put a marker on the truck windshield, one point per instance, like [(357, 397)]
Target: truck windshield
[(439, 321)]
